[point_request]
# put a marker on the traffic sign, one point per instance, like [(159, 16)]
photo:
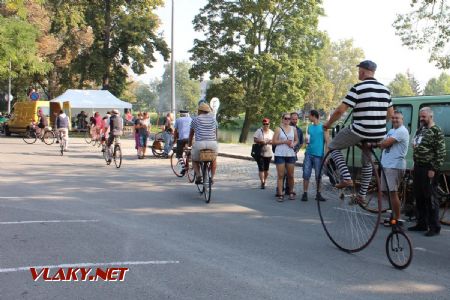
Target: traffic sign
[(35, 96)]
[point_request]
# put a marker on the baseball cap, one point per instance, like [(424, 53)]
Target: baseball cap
[(368, 65)]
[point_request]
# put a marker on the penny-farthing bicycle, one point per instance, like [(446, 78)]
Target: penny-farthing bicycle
[(351, 222)]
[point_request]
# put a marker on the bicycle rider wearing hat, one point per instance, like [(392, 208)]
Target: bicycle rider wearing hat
[(204, 128)]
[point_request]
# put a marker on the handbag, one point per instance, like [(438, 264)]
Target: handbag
[(256, 149)]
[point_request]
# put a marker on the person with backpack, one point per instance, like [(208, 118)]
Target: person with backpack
[(264, 136)]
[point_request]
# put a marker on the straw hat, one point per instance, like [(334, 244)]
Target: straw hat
[(204, 107)]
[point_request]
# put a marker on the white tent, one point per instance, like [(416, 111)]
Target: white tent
[(91, 101)]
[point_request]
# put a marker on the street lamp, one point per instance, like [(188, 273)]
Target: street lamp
[(9, 89), (172, 85)]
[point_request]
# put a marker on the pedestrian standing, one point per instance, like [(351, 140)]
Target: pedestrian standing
[(285, 138), (316, 140), (168, 134), (395, 148), (264, 136), (428, 156), (137, 125), (144, 132)]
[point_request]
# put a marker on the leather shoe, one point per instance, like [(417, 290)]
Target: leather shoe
[(417, 228), (432, 232)]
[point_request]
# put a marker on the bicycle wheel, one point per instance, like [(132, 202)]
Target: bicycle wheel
[(346, 223), (177, 166), (399, 249), (87, 136), (445, 213), (200, 186), (105, 153), (158, 145), (30, 137), (49, 137), (62, 145), (117, 155), (207, 182), (190, 168)]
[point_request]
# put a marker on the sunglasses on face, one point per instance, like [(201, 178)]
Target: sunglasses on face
[(287, 119), (265, 123)]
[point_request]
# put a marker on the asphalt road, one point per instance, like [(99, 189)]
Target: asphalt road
[(75, 210)]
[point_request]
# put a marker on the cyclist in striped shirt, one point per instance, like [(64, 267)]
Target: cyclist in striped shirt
[(372, 106), (204, 128)]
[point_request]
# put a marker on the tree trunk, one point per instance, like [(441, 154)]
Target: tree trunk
[(106, 45), (245, 126)]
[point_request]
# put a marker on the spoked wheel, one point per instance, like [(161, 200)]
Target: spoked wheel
[(30, 137), (200, 187), (49, 137), (399, 249), (190, 169), (158, 145), (207, 182), (445, 213), (117, 155), (88, 136), (105, 152), (345, 220), (62, 144), (177, 165)]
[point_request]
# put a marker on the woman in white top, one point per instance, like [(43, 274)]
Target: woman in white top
[(264, 136), (285, 139)]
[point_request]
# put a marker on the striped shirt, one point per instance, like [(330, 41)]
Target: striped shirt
[(205, 127), (370, 101)]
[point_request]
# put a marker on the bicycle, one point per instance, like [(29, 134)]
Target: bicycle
[(350, 222), (62, 142), (206, 159), (88, 135), (46, 135), (113, 153), (183, 166)]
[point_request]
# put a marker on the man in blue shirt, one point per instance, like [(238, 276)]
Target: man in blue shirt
[(395, 147), (181, 135), (316, 139)]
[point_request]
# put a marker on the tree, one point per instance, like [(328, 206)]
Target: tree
[(401, 86), (187, 91), (427, 26), (19, 45), (124, 34), (438, 86), (269, 48), (337, 62), (414, 83), (143, 96)]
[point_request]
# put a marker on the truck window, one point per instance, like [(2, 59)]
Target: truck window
[(441, 113)]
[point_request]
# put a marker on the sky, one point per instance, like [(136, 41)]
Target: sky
[(368, 23)]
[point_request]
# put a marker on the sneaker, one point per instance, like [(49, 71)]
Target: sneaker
[(418, 228), (305, 197), (387, 222), (183, 172), (320, 198)]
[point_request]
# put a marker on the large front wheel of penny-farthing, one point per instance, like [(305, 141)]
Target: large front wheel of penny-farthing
[(347, 224)]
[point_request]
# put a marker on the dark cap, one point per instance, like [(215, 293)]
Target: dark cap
[(184, 111), (368, 65)]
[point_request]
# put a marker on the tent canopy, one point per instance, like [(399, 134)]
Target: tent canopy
[(92, 99)]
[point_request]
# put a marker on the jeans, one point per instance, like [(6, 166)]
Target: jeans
[(168, 142), (310, 162)]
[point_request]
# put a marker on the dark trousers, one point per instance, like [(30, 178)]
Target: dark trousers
[(427, 214)]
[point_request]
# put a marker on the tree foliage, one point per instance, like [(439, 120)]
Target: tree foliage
[(269, 48), (427, 25), (143, 96), (337, 62), (438, 86), (187, 90), (401, 86)]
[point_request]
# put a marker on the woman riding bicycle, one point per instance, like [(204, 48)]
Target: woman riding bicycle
[(372, 106), (204, 127)]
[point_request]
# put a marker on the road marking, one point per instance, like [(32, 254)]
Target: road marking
[(86, 265), (48, 221)]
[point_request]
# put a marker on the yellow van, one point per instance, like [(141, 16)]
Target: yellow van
[(24, 112)]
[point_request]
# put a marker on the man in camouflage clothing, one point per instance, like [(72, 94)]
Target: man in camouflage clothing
[(428, 155)]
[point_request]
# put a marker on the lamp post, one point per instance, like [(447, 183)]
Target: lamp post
[(172, 59), (9, 89)]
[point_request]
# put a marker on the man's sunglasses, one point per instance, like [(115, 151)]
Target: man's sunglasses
[(287, 119), (266, 124)]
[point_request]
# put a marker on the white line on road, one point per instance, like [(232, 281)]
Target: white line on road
[(48, 221), (86, 265)]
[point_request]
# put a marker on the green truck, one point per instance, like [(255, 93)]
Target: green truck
[(410, 107)]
